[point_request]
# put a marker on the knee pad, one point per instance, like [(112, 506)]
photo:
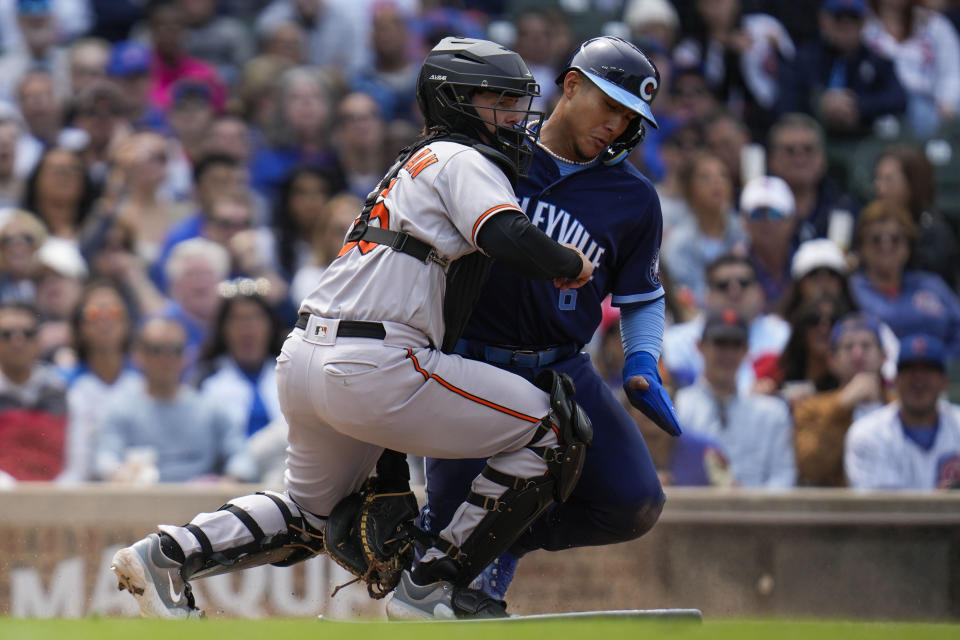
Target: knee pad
[(573, 428)]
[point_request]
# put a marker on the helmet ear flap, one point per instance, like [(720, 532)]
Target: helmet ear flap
[(620, 148)]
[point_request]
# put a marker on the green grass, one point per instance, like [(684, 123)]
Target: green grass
[(134, 629)]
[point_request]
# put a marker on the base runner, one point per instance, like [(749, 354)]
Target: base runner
[(579, 189)]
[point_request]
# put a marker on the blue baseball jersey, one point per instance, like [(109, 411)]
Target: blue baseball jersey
[(612, 213)]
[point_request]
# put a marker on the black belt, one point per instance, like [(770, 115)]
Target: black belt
[(351, 328)]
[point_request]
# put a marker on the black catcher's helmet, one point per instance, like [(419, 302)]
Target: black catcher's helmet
[(624, 73), (455, 70)]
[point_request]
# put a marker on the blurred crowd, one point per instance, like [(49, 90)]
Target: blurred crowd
[(175, 174)]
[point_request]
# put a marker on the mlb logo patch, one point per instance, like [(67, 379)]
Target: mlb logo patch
[(322, 330)]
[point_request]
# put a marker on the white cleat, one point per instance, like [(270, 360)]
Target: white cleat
[(440, 600), (154, 580), (410, 601)]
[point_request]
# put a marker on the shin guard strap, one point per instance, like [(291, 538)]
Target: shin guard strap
[(485, 502), (543, 428), (205, 547), (503, 479), (451, 550), (247, 521), (288, 517)]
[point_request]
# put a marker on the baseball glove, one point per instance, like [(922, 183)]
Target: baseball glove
[(371, 535)]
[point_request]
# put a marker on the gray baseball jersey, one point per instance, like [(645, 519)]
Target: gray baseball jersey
[(442, 196)]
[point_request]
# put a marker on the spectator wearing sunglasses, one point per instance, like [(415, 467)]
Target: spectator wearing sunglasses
[(251, 249), (21, 234), (162, 429), (767, 207), (796, 153), (755, 430), (731, 282), (908, 300), (819, 268), (904, 175), (33, 418), (804, 366), (139, 169)]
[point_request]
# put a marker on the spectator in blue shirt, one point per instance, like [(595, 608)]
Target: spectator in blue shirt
[(909, 301), (838, 79)]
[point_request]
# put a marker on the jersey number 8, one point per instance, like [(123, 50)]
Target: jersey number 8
[(568, 300)]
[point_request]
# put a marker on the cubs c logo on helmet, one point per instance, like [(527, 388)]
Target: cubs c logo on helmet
[(648, 88)]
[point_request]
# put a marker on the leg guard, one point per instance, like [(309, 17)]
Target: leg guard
[(264, 528), (525, 499), (507, 516)]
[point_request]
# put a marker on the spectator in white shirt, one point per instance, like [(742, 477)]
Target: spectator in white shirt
[(755, 430), (913, 443)]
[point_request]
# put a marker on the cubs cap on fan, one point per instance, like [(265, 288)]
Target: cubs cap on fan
[(920, 348), (127, 59), (855, 321), (767, 196), (33, 7), (850, 7), (188, 89), (816, 254), (725, 323)]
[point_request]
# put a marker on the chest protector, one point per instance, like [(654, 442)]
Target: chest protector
[(466, 275)]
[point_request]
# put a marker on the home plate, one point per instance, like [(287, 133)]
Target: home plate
[(619, 614), (688, 615)]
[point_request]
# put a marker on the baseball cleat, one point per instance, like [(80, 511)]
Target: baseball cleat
[(154, 580), (440, 600)]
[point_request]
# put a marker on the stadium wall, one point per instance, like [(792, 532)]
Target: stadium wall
[(803, 553)]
